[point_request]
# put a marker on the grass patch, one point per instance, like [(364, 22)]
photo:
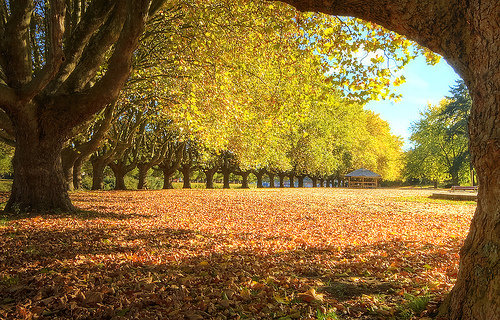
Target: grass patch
[(413, 306), (431, 200), (327, 315)]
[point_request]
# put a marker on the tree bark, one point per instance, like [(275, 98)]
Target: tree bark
[(291, 177), (226, 173), (98, 167), (271, 180), (301, 181), (259, 175), (120, 180), (77, 174), (39, 184), (314, 182), (476, 294), (244, 179), (143, 172), (282, 179), (68, 159), (321, 181), (119, 172), (167, 180), (209, 177), (41, 109), (171, 164), (186, 176)]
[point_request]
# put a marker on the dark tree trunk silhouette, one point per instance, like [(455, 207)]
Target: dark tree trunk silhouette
[(259, 174), (291, 177), (77, 173), (226, 173), (186, 175), (119, 174), (171, 163), (282, 176), (98, 166), (301, 181), (39, 183), (244, 178), (271, 180), (321, 181), (314, 182), (209, 177)]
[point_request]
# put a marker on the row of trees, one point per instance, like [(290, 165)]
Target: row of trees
[(331, 138), (232, 78)]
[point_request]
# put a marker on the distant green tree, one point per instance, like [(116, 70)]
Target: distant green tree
[(441, 140)]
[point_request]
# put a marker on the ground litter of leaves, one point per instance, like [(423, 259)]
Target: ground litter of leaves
[(234, 254)]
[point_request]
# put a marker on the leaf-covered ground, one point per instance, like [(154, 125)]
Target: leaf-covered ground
[(233, 254)]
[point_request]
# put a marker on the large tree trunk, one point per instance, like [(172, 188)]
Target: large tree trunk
[(68, 159), (119, 173), (301, 181), (98, 174), (244, 179), (282, 179), (209, 177), (167, 179), (292, 180), (259, 179), (39, 184), (476, 294), (186, 177), (77, 173), (143, 172), (271, 180), (467, 34), (226, 174), (314, 182), (321, 181)]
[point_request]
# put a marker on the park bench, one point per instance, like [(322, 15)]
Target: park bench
[(464, 188)]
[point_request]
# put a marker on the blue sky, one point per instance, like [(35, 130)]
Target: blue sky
[(424, 84)]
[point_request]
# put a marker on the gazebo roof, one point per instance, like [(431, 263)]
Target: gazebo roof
[(363, 173)]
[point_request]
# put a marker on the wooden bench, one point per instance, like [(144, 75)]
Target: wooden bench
[(464, 188)]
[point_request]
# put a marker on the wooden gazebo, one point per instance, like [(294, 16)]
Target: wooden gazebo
[(363, 178)]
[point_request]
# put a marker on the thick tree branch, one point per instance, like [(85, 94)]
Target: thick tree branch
[(15, 45), (6, 124), (55, 55), (8, 98), (94, 55), (96, 15), (79, 107), (437, 25)]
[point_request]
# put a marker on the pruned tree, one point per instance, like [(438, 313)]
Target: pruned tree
[(189, 162), (127, 125), (81, 147), (61, 63), (172, 162)]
